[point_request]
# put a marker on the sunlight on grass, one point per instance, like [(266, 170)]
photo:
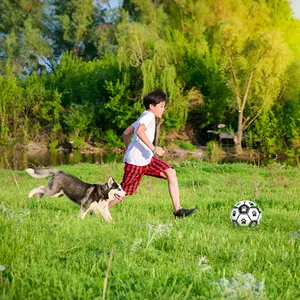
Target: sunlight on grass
[(47, 252)]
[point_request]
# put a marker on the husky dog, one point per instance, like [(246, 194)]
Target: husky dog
[(94, 197)]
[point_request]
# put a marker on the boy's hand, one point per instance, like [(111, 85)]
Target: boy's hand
[(159, 151)]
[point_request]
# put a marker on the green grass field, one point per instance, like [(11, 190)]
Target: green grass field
[(46, 252)]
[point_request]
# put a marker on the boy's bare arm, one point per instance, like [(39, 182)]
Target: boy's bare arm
[(126, 135), (140, 132)]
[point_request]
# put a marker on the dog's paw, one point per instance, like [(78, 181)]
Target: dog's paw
[(30, 194)]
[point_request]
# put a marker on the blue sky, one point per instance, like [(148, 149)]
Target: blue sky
[(295, 5), (114, 3)]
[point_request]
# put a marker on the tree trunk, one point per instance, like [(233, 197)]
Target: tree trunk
[(239, 135)]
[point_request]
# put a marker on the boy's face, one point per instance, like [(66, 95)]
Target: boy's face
[(158, 109)]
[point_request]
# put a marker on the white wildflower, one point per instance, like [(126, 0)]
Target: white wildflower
[(238, 252), (203, 264), (241, 286), (295, 235), (156, 231), (136, 244)]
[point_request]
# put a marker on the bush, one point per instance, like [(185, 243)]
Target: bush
[(111, 140), (185, 145), (213, 149)]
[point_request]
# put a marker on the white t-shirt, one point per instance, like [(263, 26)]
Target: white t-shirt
[(138, 153)]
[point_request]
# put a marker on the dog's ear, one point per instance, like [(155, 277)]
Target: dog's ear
[(110, 181)]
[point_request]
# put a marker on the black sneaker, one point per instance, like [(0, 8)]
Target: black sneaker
[(183, 212)]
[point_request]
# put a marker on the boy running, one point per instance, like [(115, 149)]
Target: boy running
[(140, 158)]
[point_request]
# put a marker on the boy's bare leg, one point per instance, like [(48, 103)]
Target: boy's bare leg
[(171, 176), (112, 203), (173, 187)]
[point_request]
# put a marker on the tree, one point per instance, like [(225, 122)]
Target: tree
[(23, 33), (255, 66), (9, 103), (146, 48), (74, 17)]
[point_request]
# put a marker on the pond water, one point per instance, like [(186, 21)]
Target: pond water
[(19, 160)]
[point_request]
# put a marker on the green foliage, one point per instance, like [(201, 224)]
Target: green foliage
[(249, 62), (276, 132), (41, 108), (119, 110), (111, 140), (35, 42), (140, 46), (77, 142), (75, 18), (208, 56), (185, 145), (203, 72), (213, 149), (268, 131), (24, 33), (51, 110), (27, 108), (279, 129), (264, 55), (10, 105), (165, 78), (53, 145), (77, 119)]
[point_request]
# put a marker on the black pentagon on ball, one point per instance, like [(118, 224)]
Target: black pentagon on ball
[(253, 223), (254, 213), (235, 223), (244, 209)]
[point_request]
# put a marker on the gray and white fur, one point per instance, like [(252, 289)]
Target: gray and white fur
[(90, 197)]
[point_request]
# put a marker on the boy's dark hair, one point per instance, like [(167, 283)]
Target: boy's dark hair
[(154, 98)]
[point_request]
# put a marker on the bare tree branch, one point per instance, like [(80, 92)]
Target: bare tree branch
[(235, 83), (255, 117), (247, 90)]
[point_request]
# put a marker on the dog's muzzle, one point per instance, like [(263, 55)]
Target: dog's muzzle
[(119, 198)]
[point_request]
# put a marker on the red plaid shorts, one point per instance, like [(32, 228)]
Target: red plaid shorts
[(133, 174)]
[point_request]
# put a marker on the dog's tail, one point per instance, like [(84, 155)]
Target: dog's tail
[(41, 173)]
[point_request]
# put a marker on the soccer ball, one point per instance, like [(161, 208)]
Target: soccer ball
[(245, 213)]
